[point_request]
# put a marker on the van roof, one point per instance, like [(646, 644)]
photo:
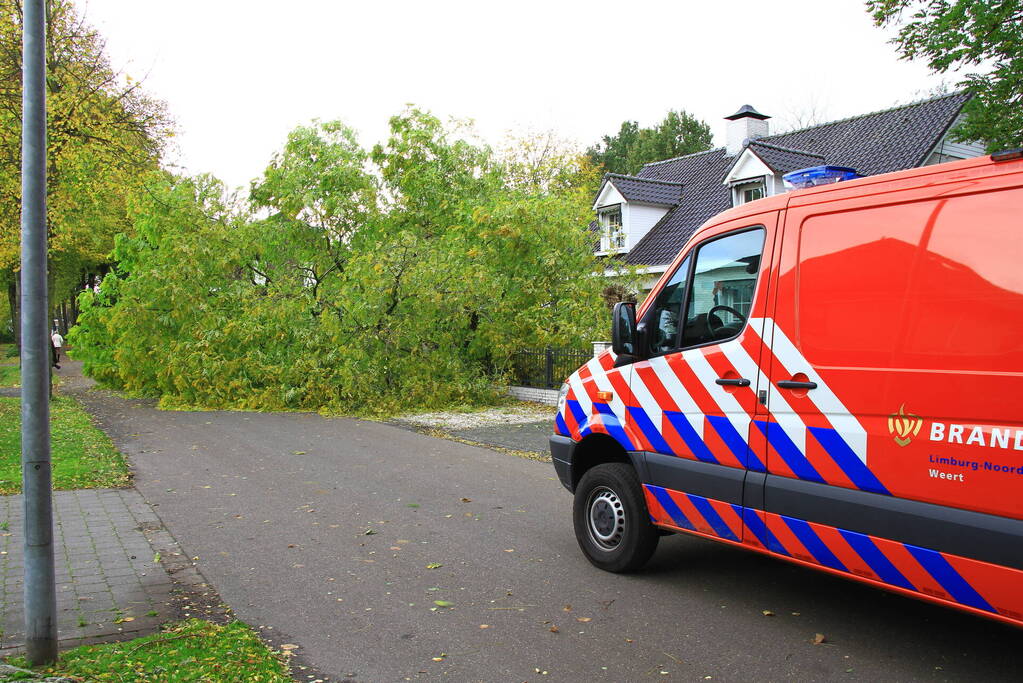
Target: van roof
[(913, 177), (847, 188)]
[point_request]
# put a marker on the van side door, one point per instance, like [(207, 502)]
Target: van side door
[(896, 366), (694, 394)]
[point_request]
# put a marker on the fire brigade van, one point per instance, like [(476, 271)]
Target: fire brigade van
[(832, 376)]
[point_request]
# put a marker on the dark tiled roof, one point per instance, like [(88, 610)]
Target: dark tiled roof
[(646, 190), (704, 196), (783, 159), (880, 142)]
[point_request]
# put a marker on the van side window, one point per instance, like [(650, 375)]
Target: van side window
[(722, 288), (664, 315)]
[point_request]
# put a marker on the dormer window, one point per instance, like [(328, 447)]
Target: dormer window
[(612, 237), (751, 194), (749, 191)]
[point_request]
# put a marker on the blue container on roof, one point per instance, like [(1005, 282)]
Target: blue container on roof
[(819, 175)]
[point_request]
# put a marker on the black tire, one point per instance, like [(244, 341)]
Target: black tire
[(612, 524)]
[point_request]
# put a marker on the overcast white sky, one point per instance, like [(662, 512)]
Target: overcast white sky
[(239, 74)]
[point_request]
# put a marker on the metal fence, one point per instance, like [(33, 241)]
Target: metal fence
[(546, 368)]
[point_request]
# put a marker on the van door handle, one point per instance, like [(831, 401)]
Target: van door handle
[(740, 382), (790, 384)]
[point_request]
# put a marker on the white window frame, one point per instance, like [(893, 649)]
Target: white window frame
[(739, 191), (612, 235)]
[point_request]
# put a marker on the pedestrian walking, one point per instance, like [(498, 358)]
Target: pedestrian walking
[(58, 341)]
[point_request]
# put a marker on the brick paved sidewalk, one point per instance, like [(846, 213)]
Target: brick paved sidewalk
[(110, 581)]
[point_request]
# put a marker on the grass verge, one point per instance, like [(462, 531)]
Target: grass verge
[(194, 650), (83, 457), (10, 375)]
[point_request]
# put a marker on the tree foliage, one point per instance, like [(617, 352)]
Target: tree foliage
[(372, 282), (984, 38), (678, 134), (103, 132)]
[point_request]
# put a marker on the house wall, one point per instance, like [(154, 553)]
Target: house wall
[(947, 150), (637, 219)]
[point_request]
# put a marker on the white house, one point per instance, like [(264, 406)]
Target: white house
[(645, 219)]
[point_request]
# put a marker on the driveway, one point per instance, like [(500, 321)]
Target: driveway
[(389, 555)]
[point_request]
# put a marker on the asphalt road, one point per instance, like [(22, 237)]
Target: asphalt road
[(339, 535)]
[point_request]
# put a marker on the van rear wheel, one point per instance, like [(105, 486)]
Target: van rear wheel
[(612, 524)]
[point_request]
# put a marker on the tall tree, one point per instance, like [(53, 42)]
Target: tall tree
[(984, 39), (405, 279), (613, 152), (678, 134), (544, 163), (103, 134)]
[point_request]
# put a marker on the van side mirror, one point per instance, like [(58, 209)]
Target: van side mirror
[(623, 328)]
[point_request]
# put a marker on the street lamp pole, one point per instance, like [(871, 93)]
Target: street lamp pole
[(40, 584)]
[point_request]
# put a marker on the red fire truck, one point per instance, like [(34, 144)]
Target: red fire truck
[(832, 376)]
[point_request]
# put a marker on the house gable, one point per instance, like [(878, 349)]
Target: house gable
[(948, 149), (902, 137), (747, 167), (628, 207), (608, 196)]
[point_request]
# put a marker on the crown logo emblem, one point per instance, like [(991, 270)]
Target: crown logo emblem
[(904, 426)]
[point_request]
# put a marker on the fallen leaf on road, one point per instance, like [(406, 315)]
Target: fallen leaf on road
[(434, 565), (768, 613), (509, 550), (583, 619), (819, 639), (484, 625), (299, 452), (443, 603), (554, 629), (467, 500), (368, 532), (566, 608)]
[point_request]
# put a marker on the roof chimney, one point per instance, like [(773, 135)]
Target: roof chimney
[(745, 124)]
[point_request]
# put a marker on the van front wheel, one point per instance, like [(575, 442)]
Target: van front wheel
[(612, 524)]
